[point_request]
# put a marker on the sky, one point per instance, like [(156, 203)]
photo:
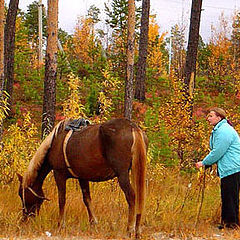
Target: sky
[(168, 12)]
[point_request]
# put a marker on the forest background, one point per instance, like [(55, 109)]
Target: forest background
[(90, 84)]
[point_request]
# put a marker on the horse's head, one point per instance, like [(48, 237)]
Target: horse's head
[(31, 200)]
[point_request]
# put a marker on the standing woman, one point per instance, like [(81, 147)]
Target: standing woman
[(225, 152)]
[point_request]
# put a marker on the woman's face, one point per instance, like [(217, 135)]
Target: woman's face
[(213, 119)]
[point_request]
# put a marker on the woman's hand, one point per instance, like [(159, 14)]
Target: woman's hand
[(199, 164)]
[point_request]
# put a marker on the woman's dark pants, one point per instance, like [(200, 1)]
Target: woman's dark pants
[(230, 199)]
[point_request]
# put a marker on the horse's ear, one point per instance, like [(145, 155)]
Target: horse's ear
[(19, 177)]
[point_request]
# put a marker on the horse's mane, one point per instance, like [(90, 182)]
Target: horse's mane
[(38, 158)]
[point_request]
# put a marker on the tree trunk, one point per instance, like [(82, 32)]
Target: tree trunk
[(143, 52), (9, 47), (49, 101), (1, 60), (40, 33), (130, 61), (191, 58)]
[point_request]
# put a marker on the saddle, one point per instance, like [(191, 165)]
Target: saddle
[(77, 124)]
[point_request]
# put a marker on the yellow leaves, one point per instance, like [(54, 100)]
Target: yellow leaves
[(233, 115), (18, 148), (4, 106), (158, 166), (72, 107), (153, 30), (25, 48), (188, 139), (221, 62), (110, 85), (83, 39), (22, 37), (155, 56), (106, 104)]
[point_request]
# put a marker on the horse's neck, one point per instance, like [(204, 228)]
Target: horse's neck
[(42, 174)]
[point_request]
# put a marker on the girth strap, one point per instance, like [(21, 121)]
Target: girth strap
[(65, 142)]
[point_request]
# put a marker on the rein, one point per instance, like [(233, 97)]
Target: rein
[(37, 195)]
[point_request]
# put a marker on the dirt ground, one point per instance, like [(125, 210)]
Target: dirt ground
[(156, 236)]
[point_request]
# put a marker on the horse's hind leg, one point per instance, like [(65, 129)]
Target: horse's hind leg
[(125, 185), (61, 186), (87, 200), (137, 228)]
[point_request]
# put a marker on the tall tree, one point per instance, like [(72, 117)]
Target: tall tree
[(191, 58), (117, 13), (49, 101), (9, 47), (31, 20), (93, 14), (143, 52), (177, 49), (36, 22), (1, 58), (40, 57), (130, 60)]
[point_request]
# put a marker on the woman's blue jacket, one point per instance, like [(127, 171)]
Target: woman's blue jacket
[(225, 149)]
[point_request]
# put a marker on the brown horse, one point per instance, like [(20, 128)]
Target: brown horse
[(95, 153)]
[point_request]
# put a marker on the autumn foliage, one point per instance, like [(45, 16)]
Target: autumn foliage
[(90, 84), (156, 59)]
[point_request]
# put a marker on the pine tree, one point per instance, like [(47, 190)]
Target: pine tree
[(9, 47), (49, 101), (130, 60), (117, 13), (235, 38), (143, 52), (191, 58), (31, 21), (178, 52)]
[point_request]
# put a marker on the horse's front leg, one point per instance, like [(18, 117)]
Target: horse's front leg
[(87, 200), (61, 186)]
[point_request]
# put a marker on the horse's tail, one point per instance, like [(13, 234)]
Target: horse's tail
[(38, 158), (139, 159)]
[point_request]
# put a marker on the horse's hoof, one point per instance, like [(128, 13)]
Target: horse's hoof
[(93, 222), (61, 225), (138, 233), (137, 236), (129, 235), (130, 232)]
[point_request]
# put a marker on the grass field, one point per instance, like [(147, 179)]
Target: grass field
[(172, 208)]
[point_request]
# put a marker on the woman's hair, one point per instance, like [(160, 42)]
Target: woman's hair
[(219, 112)]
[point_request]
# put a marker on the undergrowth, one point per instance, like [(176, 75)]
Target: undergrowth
[(174, 198), (171, 207)]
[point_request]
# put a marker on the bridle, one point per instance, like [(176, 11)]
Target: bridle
[(35, 194)]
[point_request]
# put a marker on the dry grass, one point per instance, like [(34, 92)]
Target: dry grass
[(171, 207)]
